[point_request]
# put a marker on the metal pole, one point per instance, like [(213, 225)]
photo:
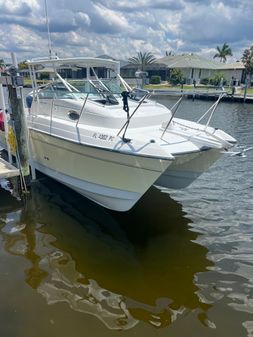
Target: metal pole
[(176, 105)]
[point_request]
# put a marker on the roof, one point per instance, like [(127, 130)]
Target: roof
[(235, 65), (152, 66), (188, 61)]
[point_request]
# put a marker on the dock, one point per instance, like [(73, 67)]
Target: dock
[(211, 95), (228, 98), (7, 170)]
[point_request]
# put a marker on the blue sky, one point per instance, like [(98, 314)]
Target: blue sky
[(121, 28)]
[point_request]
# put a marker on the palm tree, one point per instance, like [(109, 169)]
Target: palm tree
[(247, 60), (170, 53), (142, 59), (223, 52)]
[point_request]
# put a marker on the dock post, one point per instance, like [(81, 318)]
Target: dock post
[(245, 90), (6, 129), (19, 120)]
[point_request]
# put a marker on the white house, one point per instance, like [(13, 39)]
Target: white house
[(234, 73)]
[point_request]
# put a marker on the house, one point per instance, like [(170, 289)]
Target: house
[(234, 73), (128, 71), (193, 67)]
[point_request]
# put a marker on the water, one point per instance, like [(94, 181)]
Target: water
[(179, 264)]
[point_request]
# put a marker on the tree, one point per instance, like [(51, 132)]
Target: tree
[(142, 60), (170, 53), (176, 77), (223, 52), (247, 60), (22, 65), (217, 79)]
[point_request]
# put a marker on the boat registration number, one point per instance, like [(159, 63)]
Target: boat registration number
[(103, 136)]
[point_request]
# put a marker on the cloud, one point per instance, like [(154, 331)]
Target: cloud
[(215, 24), (18, 7), (107, 21), (140, 5), (121, 28)]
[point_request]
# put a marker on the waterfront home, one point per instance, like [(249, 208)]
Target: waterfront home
[(194, 68)]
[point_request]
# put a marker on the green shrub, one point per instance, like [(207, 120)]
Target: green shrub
[(176, 77), (155, 80), (217, 79), (44, 76), (204, 81)]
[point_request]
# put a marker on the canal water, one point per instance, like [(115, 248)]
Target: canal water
[(179, 264)]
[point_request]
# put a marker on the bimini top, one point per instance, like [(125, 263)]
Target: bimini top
[(85, 62)]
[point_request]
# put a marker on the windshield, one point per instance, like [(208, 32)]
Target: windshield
[(100, 91), (106, 91)]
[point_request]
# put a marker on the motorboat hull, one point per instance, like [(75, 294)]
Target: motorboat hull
[(187, 168), (112, 179)]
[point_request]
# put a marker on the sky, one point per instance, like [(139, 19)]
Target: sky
[(122, 28)]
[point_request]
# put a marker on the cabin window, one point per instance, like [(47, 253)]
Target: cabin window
[(55, 90)]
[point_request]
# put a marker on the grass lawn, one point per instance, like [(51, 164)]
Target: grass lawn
[(28, 82)]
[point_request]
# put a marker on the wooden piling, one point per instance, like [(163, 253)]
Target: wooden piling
[(18, 121)]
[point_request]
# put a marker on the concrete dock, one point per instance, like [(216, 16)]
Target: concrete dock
[(203, 95), (228, 98), (7, 170)]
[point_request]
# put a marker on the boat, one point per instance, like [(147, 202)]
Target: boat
[(210, 144), (110, 142), (73, 134)]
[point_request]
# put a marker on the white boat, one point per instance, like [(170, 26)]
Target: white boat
[(210, 144), (73, 136), (82, 135)]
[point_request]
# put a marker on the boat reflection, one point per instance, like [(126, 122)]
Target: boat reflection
[(122, 268)]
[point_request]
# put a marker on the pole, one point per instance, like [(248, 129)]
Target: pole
[(6, 129), (19, 119), (245, 90)]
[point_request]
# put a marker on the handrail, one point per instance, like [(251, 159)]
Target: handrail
[(51, 115), (212, 109), (175, 106), (98, 89), (106, 93), (225, 143), (81, 112), (125, 84), (96, 76), (65, 83)]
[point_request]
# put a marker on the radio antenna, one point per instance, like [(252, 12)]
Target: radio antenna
[(48, 32)]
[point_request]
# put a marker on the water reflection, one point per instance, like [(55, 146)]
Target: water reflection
[(121, 268)]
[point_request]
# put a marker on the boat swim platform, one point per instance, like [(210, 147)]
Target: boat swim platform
[(7, 170)]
